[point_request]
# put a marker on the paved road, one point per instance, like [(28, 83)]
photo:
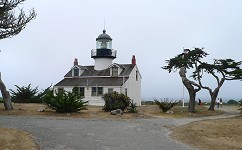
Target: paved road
[(95, 134)]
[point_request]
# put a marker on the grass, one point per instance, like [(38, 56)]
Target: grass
[(145, 111), (177, 111), (222, 134)]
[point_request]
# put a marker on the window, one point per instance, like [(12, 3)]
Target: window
[(76, 72), (126, 91), (60, 90), (110, 90), (137, 75), (82, 91), (115, 71), (94, 92), (97, 91)]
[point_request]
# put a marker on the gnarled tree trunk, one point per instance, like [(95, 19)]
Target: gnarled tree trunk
[(213, 95), (6, 96), (190, 88)]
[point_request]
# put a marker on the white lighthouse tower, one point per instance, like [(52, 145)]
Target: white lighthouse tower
[(103, 54)]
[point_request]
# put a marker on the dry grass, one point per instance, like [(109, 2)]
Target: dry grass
[(177, 112), (11, 139), (206, 132), (222, 134), (146, 111), (31, 109)]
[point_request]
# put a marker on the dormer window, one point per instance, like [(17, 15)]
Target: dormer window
[(115, 71), (76, 72)]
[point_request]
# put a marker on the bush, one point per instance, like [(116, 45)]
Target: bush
[(27, 94), (233, 102), (65, 102), (240, 104), (1, 100), (115, 101), (132, 107), (165, 106)]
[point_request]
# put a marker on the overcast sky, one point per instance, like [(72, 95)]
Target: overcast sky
[(153, 31)]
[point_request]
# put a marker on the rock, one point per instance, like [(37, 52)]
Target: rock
[(41, 110), (117, 112), (169, 112)]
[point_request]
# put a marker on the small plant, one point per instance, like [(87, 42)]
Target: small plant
[(164, 105), (27, 94), (132, 108), (240, 104), (65, 102), (115, 101)]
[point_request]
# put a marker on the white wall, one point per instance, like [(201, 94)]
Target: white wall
[(102, 63), (134, 87), (93, 100)]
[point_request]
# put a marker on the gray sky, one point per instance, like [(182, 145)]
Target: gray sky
[(154, 31)]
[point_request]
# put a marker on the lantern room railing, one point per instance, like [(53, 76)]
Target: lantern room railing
[(106, 53)]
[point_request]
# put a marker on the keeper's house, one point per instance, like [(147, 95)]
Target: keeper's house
[(105, 76)]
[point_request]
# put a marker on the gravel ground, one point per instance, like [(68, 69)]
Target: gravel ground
[(95, 134)]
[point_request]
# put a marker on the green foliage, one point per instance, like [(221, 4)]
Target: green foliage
[(240, 104), (233, 102), (115, 101), (228, 68), (164, 105), (13, 18), (132, 108), (65, 102), (186, 60), (27, 94), (1, 100)]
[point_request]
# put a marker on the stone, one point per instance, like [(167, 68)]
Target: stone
[(169, 112), (117, 112), (41, 110)]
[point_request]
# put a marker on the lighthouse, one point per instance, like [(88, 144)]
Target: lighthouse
[(103, 54)]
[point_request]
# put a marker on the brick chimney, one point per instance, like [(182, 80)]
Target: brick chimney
[(133, 60), (75, 62)]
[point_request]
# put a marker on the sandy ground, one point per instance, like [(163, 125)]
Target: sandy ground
[(206, 134)]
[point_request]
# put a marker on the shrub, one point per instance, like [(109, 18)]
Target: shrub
[(240, 104), (1, 100), (65, 102), (27, 94), (234, 102), (115, 101), (132, 108), (165, 106)]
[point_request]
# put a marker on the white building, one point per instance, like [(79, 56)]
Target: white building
[(105, 76)]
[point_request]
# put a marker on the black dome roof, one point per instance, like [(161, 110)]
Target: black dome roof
[(104, 36)]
